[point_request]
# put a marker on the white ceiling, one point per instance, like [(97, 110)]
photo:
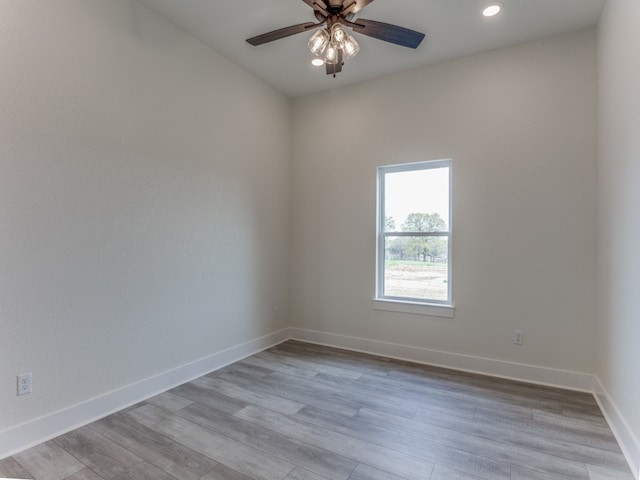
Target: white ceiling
[(453, 28)]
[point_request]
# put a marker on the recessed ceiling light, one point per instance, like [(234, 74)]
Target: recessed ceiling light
[(491, 9), (317, 62)]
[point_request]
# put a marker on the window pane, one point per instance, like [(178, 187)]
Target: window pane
[(416, 267), (417, 200), (414, 232)]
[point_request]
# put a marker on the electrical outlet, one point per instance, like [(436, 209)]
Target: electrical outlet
[(24, 383), (518, 337), (276, 312)]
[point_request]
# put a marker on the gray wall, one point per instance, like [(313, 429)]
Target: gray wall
[(520, 125), (144, 201), (618, 347)]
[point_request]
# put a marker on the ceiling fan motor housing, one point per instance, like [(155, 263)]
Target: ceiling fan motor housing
[(335, 4)]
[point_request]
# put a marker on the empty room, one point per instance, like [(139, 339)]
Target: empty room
[(319, 239)]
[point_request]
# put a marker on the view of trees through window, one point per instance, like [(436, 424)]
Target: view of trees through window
[(416, 233)]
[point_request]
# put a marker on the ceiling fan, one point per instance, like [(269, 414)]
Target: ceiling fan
[(333, 44)]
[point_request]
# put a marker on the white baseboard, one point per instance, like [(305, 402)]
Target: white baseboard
[(36, 431), (626, 439), (486, 366)]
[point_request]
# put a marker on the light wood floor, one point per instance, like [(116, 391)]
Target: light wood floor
[(303, 412)]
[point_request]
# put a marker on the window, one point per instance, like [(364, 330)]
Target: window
[(414, 238)]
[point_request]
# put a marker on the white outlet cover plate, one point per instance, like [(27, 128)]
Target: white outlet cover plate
[(24, 384)]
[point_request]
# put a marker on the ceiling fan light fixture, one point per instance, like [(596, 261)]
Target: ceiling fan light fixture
[(318, 42), (339, 34), (317, 62), (331, 54), (332, 43), (351, 47), (492, 9)]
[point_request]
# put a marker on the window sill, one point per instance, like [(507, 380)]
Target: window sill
[(431, 309)]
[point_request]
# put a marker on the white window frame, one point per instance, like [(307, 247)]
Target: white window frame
[(434, 307)]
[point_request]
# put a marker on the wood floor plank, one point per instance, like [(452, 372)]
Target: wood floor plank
[(569, 421), (263, 360), (246, 369), (602, 439), (395, 462), (85, 474), (106, 458), (48, 461), (506, 390), (170, 456), (425, 446), (454, 408), (10, 468), (546, 444), (205, 395), (332, 358), (444, 473), (302, 474), (348, 391), (293, 388), (317, 460), (246, 395), (599, 473), (365, 472), (518, 472), (444, 393), (169, 401), (298, 369), (241, 457), (145, 471), (222, 472), (309, 364), (481, 444)]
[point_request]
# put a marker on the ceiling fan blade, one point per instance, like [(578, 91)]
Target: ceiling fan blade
[(354, 6), (313, 3), (387, 32), (282, 33)]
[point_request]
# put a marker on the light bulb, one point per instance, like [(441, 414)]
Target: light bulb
[(318, 42), (351, 47), (331, 53)]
